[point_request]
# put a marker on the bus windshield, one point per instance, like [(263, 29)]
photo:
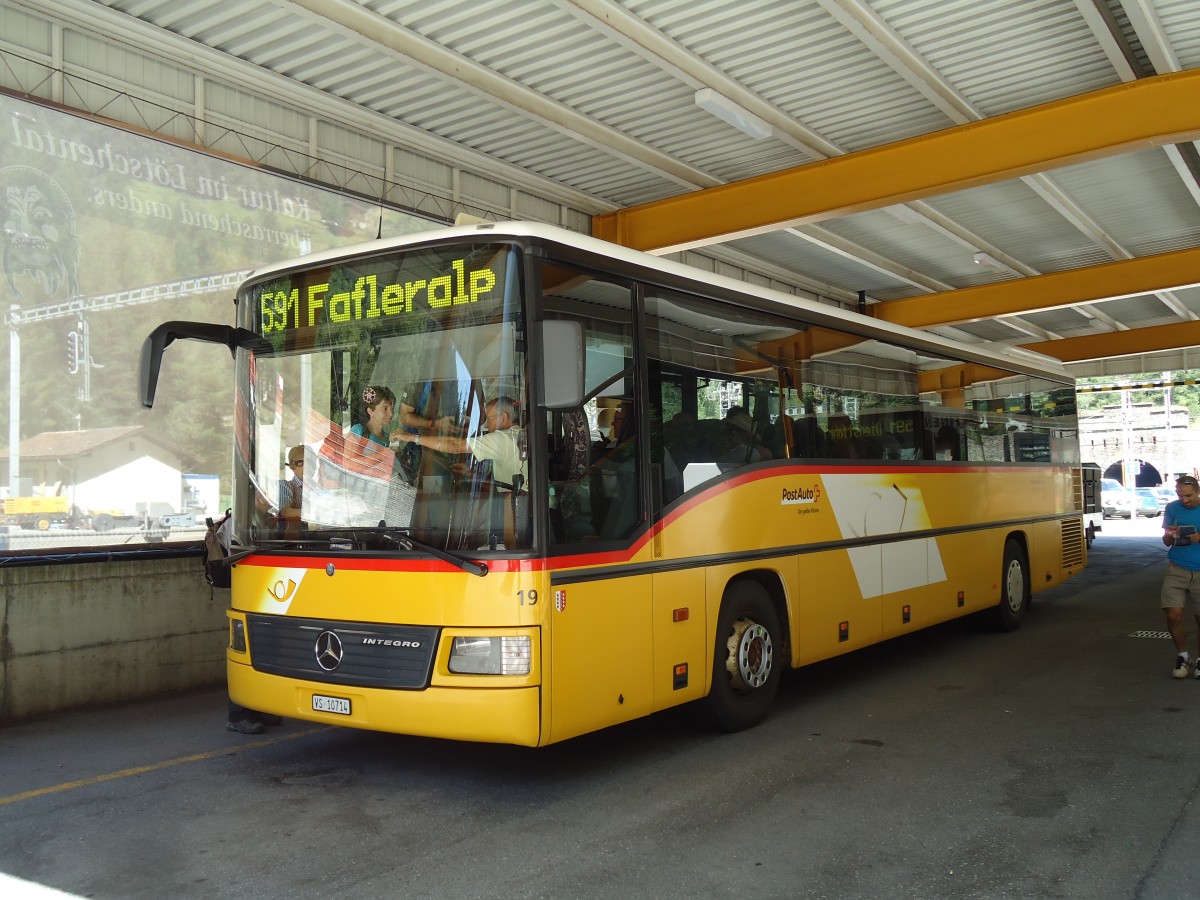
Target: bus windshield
[(390, 408)]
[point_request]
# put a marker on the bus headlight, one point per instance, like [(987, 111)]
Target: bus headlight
[(490, 655), (237, 635)]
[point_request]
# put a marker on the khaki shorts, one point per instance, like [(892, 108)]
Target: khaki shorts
[(1181, 589)]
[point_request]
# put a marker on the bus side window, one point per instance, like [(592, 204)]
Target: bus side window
[(569, 463), (614, 485)]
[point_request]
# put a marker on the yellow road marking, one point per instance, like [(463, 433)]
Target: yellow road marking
[(154, 767)]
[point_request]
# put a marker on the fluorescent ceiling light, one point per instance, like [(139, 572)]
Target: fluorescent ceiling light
[(725, 109), (990, 262)]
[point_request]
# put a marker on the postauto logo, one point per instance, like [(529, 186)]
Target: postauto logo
[(800, 496)]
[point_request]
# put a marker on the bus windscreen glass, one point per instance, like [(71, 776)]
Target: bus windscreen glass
[(370, 416)]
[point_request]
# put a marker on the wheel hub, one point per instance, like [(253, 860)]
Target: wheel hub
[(751, 655), (1015, 586)]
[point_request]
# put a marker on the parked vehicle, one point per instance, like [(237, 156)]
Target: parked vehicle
[(41, 513), (1146, 503), (1118, 504), (1165, 494)]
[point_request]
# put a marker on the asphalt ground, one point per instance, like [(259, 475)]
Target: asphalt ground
[(1058, 761)]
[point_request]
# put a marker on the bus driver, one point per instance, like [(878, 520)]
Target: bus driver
[(501, 443)]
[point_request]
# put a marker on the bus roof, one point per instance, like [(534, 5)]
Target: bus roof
[(1015, 358)]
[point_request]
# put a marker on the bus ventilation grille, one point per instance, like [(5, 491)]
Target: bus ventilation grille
[(1072, 544), (350, 653)]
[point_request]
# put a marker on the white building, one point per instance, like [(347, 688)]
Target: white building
[(122, 470)]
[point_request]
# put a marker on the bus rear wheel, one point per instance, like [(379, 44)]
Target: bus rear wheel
[(1014, 588), (746, 665)]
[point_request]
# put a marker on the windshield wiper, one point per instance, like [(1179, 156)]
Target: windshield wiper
[(315, 539), (404, 536), (466, 565)]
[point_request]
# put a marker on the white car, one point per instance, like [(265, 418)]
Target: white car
[(1118, 504), (1146, 503)]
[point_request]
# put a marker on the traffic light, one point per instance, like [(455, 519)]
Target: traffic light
[(73, 352)]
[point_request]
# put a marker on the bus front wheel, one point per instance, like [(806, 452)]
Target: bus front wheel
[(1014, 588), (746, 664)]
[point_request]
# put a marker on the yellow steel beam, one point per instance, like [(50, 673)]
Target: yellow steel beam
[(1121, 343), (1126, 278), (1135, 116)]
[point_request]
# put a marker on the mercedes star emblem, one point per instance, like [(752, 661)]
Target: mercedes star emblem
[(329, 650)]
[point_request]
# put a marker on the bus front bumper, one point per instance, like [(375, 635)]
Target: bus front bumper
[(488, 714)]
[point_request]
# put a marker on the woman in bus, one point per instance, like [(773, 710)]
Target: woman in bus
[(380, 405)]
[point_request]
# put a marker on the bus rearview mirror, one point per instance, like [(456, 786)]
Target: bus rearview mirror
[(166, 333), (562, 369)]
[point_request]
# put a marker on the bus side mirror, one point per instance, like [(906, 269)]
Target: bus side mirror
[(562, 370), (151, 364), (166, 333)]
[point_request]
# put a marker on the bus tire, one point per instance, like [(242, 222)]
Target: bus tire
[(103, 522), (1014, 588), (746, 660)]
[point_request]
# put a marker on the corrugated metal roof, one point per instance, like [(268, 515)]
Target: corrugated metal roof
[(596, 96)]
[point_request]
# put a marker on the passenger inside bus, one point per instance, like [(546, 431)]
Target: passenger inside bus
[(379, 404), (503, 445), (569, 460), (739, 432), (606, 436), (614, 477), (291, 490)]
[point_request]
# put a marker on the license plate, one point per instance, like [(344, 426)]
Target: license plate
[(338, 705)]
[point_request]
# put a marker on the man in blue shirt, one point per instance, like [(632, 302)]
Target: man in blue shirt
[(1181, 586)]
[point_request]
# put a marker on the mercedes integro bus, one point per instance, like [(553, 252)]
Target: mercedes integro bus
[(551, 484)]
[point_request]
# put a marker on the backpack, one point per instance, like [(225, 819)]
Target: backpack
[(217, 541)]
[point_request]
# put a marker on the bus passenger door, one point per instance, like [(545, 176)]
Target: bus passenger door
[(601, 647)]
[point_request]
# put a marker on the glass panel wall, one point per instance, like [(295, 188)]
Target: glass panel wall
[(106, 233)]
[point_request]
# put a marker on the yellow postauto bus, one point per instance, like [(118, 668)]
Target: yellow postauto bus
[(549, 484)]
